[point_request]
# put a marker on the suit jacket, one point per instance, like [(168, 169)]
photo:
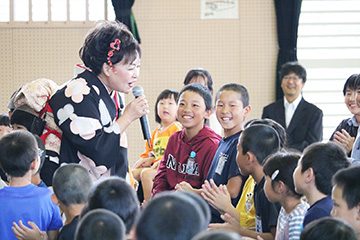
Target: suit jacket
[(305, 126)]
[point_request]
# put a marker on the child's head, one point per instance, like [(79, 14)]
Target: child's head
[(194, 105), (346, 196), (256, 143), (278, 170), (166, 106), (71, 184), (199, 75), (19, 153), (116, 195), (203, 206), (101, 46), (178, 217), (232, 107), (319, 162), (5, 126), (100, 224), (350, 91), (276, 126), (217, 235), (328, 229)]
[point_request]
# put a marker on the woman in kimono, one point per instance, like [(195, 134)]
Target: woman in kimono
[(89, 110)]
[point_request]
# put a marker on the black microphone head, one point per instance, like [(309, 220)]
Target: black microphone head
[(138, 91)]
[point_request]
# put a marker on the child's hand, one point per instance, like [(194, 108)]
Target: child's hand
[(155, 165), (344, 139), (22, 232), (184, 186), (144, 162), (218, 197)]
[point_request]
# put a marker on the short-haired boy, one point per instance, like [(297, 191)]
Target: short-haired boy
[(100, 224), (256, 143), (346, 197), (232, 107), (189, 152), (71, 184), (312, 177), (21, 200)]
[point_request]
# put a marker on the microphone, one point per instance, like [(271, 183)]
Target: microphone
[(144, 122)]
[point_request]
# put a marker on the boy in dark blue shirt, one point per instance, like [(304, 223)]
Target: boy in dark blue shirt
[(312, 177)]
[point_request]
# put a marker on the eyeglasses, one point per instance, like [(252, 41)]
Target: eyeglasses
[(288, 78)]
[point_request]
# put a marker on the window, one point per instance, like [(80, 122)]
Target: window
[(329, 48), (55, 10)]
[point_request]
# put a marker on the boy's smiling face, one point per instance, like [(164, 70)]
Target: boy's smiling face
[(192, 111), (231, 112)]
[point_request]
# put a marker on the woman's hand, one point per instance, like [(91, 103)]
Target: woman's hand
[(344, 139), (136, 108)]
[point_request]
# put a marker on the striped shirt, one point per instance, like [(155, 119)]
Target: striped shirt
[(289, 226)]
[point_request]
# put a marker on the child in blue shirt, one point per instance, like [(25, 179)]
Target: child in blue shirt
[(21, 201)]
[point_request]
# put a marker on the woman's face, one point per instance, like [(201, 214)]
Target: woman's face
[(123, 76), (352, 99)]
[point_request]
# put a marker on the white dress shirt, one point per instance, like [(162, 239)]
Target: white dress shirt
[(290, 109)]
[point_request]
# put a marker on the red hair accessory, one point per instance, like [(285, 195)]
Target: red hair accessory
[(115, 45)]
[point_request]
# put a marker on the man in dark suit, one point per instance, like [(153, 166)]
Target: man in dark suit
[(301, 119)]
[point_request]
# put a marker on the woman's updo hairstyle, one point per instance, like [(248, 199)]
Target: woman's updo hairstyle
[(99, 43)]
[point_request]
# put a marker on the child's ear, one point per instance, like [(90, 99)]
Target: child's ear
[(280, 187), (358, 212), (35, 164), (247, 110), (309, 175), (208, 113)]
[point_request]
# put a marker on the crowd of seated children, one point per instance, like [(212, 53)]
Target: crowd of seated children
[(279, 188), (232, 108), (190, 151), (312, 177), (256, 143), (258, 181), (146, 167), (218, 196)]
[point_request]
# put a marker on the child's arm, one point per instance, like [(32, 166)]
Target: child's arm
[(23, 232), (144, 162), (233, 186), (160, 181)]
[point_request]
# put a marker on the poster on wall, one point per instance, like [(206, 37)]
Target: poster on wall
[(219, 9)]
